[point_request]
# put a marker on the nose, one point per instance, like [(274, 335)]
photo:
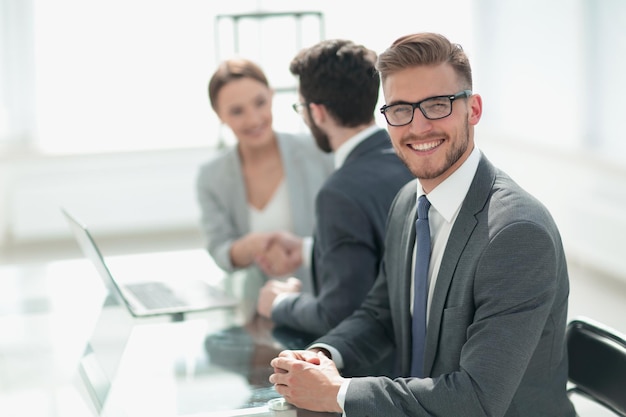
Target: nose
[(420, 123), (254, 116)]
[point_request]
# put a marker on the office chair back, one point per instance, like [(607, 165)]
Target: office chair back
[(597, 364)]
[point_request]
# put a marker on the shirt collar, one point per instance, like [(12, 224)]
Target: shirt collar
[(342, 152), (448, 196)]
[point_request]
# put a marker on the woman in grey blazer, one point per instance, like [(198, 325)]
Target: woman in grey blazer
[(265, 183)]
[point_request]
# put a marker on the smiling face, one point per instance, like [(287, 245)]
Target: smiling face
[(432, 149), (245, 106)]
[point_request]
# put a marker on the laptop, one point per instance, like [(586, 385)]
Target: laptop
[(149, 298)]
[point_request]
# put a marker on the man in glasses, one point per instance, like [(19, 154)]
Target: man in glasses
[(496, 291), (338, 93)]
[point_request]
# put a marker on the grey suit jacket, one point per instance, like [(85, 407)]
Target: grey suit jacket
[(351, 211), (221, 194), (495, 341)]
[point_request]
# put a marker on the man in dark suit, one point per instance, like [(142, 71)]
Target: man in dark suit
[(497, 298), (338, 89)]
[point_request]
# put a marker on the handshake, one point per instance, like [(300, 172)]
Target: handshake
[(277, 254)]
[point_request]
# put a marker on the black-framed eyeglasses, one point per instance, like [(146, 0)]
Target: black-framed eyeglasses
[(298, 107), (432, 108)]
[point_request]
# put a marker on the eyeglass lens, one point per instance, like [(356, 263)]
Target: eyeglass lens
[(432, 108), (298, 107)]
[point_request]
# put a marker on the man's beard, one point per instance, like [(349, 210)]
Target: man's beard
[(452, 156), (321, 138)]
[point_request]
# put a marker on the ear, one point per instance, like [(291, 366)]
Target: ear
[(318, 113), (476, 109)]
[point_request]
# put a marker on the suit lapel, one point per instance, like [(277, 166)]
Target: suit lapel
[(462, 229)]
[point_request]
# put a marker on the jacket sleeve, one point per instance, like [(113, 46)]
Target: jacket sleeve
[(218, 225), (514, 291), (345, 266)]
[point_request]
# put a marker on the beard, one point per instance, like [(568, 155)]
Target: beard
[(321, 138), (456, 151)]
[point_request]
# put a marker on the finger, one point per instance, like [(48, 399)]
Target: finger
[(280, 363), (293, 354), (274, 379), (322, 357), (270, 239), (262, 262), (281, 389), (294, 283), (311, 357)]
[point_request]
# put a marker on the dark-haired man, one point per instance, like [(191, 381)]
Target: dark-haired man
[(338, 93)]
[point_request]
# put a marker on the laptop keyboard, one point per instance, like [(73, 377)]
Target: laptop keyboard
[(155, 295)]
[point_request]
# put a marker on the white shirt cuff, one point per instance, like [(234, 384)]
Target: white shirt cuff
[(307, 251), (341, 396), (280, 297)]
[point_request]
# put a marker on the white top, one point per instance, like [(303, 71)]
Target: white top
[(275, 215)]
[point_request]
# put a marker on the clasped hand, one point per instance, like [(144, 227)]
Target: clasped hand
[(307, 379), (272, 289), (281, 254)]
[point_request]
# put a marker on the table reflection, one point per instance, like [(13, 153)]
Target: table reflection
[(212, 363)]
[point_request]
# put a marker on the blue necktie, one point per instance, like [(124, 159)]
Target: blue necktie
[(422, 259)]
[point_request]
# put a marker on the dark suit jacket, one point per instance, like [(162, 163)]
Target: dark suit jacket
[(495, 340), (351, 211)]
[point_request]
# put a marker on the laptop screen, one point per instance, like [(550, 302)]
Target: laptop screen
[(90, 250), (103, 353)]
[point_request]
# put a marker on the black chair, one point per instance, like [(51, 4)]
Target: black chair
[(597, 364)]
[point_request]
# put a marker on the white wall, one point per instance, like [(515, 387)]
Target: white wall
[(114, 194), (118, 194), (546, 72)]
